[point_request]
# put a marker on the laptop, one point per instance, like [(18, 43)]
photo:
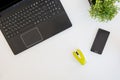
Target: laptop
[(25, 23)]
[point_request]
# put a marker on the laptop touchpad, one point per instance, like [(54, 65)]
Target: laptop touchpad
[(31, 37)]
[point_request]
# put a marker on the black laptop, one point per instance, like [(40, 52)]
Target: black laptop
[(25, 23)]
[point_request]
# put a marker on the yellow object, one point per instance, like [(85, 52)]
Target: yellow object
[(79, 56)]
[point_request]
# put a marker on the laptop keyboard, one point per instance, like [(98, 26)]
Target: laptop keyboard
[(39, 11)]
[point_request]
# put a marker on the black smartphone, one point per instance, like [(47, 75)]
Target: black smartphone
[(100, 41)]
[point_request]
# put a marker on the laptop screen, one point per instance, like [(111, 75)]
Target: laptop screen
[(7, 3)]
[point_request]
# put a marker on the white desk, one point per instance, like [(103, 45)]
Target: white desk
[(53, 59)]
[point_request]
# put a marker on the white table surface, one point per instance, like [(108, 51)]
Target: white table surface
[(53, 59)]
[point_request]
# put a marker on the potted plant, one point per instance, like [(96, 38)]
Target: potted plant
[(103, 10)]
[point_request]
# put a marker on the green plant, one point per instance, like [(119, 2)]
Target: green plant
[(104, 10)]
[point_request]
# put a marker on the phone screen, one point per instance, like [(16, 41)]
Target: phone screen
[(100, 41)]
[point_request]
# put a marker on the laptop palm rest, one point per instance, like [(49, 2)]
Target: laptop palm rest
[(31, 37)]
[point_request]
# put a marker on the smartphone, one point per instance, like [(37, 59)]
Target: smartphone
[(100, 41)]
